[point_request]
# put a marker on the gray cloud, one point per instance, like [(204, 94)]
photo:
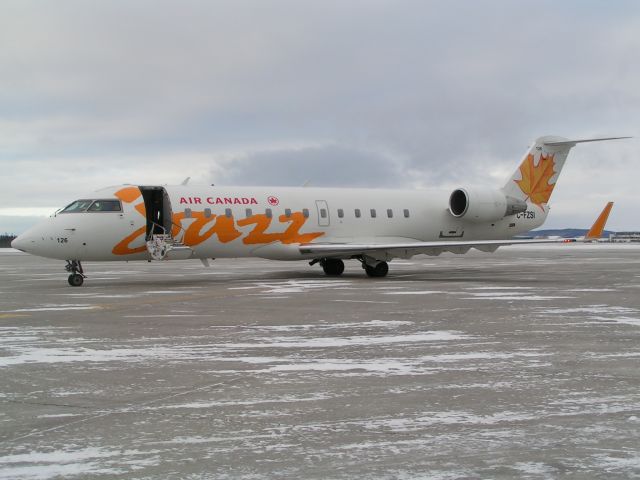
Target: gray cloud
[(393, 93), (321, 166)]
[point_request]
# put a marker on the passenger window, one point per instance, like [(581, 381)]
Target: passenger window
[(248, 212), (187, 213), (323, 213), (357, 212), (207, 213), (287, 212), (406, 213), (268, 212), (77, 206), (305, 212), (389, 213), (105, 206), (340, 213), (373, 213), (227, 213)]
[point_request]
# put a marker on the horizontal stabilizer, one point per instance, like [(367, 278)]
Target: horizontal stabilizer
[(573, 142)]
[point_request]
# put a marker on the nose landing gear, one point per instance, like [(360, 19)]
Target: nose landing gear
[(77, 276)]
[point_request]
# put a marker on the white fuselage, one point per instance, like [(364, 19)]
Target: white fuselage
[(214, 222)]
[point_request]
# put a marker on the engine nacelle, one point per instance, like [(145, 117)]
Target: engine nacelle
[(483, 205)]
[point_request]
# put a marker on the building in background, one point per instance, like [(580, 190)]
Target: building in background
[(624, 237)]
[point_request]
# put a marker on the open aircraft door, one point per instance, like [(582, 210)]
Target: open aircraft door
[(158, 211), (160, 242)]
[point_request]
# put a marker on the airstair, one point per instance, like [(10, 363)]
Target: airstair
[(162, 246), (163, 237)]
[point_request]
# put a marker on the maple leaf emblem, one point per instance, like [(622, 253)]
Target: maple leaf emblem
[(273, 200), (535, 178)]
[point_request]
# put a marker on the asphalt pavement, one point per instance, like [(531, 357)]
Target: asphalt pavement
[(519, 364)]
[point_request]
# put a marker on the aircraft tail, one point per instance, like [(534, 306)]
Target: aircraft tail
[(538, 173), (598, 227)]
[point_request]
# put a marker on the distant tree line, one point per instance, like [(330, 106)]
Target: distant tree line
[(5, 240)]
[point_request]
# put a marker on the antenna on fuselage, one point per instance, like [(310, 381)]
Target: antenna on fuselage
[(185, 181)]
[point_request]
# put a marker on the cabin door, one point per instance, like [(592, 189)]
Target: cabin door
[(158, 211)]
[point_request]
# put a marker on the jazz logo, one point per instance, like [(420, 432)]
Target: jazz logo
[(198, 227)]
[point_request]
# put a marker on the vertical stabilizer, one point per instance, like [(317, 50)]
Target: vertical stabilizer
[(598, 227), (538, 172)]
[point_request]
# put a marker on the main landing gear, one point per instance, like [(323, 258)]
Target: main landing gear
[(334, 267), (77, 276), (379, 270)]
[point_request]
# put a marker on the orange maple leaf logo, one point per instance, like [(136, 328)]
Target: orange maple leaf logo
[(535, 178)]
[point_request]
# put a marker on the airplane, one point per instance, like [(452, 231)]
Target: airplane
[(594, 234), (596, 230), (320, 225)]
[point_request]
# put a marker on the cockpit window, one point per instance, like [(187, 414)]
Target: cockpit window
[(93, 206), (105, 206), (77, 206)]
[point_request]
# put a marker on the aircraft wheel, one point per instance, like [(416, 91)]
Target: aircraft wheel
[(75, 280), (333, 267), (380, 270)]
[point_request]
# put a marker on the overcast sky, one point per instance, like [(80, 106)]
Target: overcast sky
[(407, 94)]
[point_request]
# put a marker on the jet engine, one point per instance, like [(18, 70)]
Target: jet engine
[(483, 205)]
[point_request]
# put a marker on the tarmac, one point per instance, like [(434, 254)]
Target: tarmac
[(519, 364)]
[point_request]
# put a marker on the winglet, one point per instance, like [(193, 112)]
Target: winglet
[(185, 181), (598, 227)]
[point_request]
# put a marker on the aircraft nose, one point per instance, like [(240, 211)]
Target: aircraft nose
[(19, 243)]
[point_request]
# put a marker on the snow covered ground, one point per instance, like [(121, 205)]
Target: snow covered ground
[(519, 364)]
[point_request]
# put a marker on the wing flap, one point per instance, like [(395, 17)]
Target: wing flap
[(415, 248)]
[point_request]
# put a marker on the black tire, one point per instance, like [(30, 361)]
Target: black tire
[(380, 270), (333, 267), (75, 280)]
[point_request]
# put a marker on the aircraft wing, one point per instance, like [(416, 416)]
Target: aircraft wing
[(403, 249)]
